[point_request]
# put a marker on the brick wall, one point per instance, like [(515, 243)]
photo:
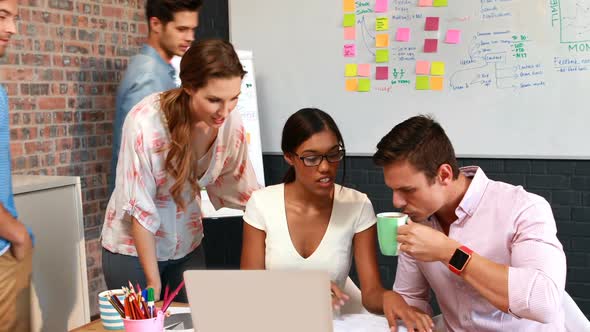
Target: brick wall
[(565, 184), (61, 75)]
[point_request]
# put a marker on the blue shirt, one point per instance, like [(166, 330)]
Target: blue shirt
[(6, 196), (146, 73)]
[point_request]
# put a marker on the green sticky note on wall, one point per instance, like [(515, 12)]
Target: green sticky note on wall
[(440, 3), (349, 20), (381, 56), (364, 85), (350, 69), (422, 83)]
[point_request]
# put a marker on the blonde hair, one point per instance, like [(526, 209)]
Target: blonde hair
[(205, 60)]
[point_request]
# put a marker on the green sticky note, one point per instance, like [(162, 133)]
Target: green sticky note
[(381, 55), (364, 85), (422, 83), (350, 69), (349, 20), (381, 23), (440, 3), (437, 68)]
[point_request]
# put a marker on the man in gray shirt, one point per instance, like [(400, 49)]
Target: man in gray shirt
[(171, 29)]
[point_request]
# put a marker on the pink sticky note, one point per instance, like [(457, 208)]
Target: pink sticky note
[(349, 50), (349, 33), (453, 36), (422, 67), (382, 73), (402, 34), (380, 6), (364, 70), (431, 24), (425, 3), (430, 45)]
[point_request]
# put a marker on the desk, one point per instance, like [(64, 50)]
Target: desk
[(96, 326)]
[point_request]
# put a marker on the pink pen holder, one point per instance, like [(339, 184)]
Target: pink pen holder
[(145, 325)]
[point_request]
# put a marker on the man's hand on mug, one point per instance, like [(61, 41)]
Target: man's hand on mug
[(425, 243)]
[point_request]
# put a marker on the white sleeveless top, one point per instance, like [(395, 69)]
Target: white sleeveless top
[(352, 213)]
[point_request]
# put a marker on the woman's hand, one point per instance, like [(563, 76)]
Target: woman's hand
[(157, 286), (338, 296), (394, 307)]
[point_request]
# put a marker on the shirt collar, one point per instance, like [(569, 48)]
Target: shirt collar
[(474, 194), (152, 53)]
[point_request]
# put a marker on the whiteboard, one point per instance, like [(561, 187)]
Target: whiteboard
[(248, 108), (514, 87)]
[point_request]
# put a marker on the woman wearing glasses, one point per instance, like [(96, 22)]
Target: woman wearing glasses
[(309, 221)]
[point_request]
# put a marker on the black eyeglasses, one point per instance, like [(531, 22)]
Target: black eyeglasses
[(315, 160)]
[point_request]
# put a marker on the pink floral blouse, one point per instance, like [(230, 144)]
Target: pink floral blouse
[(142, 185)]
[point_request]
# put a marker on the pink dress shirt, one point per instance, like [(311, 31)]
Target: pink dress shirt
[(507, 225)]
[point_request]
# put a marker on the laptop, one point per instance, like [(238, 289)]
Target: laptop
[(259, 300)]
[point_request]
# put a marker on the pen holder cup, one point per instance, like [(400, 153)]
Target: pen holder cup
[(111, 319), (155, 324)]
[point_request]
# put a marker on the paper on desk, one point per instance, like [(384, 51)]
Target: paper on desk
[(363, 323), (179, 314)]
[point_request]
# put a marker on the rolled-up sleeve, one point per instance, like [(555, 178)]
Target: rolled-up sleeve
[(136, 185), (411, 284), (536, 276)]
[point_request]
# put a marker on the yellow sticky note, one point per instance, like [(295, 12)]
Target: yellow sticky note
[(437, 68), (382, 40), (364, 85), (349, 20), (352, 84), (382, 24), (422, 83), (381, 56), (350, 69), (440, 3), (436, 83), (348, 5)]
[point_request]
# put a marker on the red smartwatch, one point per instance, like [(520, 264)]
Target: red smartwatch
[(459, 261)]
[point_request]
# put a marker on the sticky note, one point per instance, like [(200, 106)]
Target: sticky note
[(440, 3), (350, 33), (453, 36), (431, 24), (352, 84), (349, 20), (382, 24), (349, 50), (436, 83), (422, 67), (424, 3), (380, 6), (437, 68), (350, 69), (364, 85), (364, 70), (348, 5), (402, 34), (430, 45), (422, 83), (382, 40), (382, 73), (381, 55)]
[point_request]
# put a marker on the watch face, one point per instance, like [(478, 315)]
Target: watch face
[(459, 259)]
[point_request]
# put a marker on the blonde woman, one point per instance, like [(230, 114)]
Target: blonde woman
[(173, 144)]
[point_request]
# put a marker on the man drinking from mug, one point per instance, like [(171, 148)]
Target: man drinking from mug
[(487, 249)]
